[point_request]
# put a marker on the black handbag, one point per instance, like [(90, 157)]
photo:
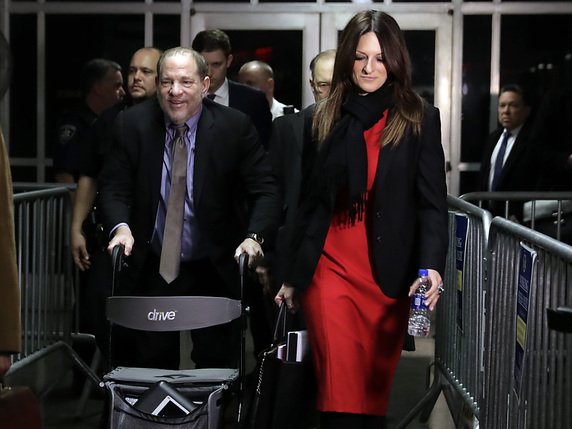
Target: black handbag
[(284, 396)]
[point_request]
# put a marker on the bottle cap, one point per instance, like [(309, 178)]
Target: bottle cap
[(423, 272)]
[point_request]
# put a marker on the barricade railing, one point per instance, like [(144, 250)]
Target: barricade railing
[(528, 381), (458, 368), (547, 212), (41, 220)]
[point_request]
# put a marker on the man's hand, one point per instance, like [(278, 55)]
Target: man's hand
[(253, 249), (79, 250), (124, 237)]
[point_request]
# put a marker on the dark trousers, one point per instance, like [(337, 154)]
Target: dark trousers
[(353, 421), (213, 347), (94, 287)]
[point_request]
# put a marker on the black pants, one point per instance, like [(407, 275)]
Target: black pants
[(353, 421), (213, 347)]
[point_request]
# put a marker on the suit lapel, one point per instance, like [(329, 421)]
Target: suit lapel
[(202, 146), (156, 144), (517, 149)]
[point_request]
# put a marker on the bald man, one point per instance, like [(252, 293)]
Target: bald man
[(322, 69), (260, 75)]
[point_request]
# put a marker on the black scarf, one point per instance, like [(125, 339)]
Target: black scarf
[(340, 171)]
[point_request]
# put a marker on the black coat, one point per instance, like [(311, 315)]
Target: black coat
[(252, 102), (518, 173), (230, 166), (408, 220)]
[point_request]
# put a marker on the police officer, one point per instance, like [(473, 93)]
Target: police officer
[(102, 87)]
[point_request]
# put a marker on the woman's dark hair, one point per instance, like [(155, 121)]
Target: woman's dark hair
[(408, 106)]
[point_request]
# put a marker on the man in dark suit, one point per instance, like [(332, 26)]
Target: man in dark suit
[(506, 163), (287, 143), (214, 46), (140, 185)]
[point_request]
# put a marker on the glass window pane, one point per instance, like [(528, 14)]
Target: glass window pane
[(421, 46), (166, 31), (23, 174), (476, 94), (23, 91), (537, 59)]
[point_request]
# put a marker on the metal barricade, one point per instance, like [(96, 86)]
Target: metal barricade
[(458, 369), (528, 381), (548, 212), (42, 220)]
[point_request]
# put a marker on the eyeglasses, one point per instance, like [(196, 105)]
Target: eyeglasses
[(321, 86)]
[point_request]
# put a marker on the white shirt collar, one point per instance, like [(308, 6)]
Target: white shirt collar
[(221, 94)]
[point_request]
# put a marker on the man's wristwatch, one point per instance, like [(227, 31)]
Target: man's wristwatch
[(256, 237)]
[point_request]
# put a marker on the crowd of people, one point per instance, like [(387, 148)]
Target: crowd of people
[(337, 204)]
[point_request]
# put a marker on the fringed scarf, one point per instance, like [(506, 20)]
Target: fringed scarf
[(341, 164)]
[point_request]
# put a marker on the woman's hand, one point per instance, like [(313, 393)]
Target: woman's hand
[(286, 294), (434, 292)]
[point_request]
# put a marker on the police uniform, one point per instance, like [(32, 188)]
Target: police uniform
[(70, 133)]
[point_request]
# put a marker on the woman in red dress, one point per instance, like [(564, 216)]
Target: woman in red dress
[(372, 212)]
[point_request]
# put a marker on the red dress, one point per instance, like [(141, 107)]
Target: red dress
[(356, 331)]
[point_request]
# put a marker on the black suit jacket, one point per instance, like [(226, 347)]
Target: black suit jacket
[(229, 164), (518, 173), (285, 153), (408, 226), (252, 102)]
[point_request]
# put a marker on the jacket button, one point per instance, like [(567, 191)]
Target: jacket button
[(378, 214), (378, 238)]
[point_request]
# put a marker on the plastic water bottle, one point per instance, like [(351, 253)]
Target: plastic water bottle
[(419, 323)]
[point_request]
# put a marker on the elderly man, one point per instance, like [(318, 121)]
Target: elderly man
[(173, 194)]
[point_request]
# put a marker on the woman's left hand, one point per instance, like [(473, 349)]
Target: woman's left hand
[(434, 292), (286, 294)]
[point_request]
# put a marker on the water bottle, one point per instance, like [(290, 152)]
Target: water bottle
[(419, 323)]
